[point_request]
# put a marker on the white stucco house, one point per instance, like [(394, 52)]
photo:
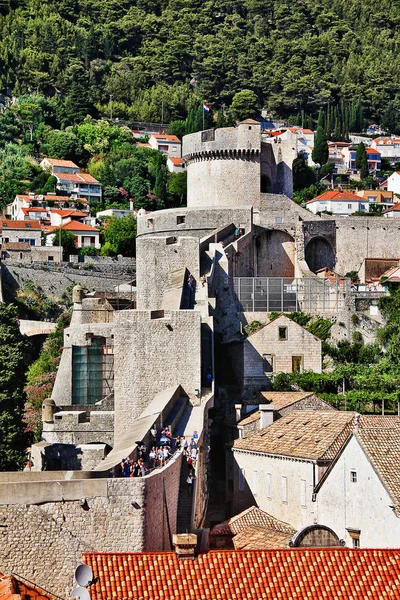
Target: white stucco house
[(278, 467), (170, 145), (85, 235), (359, 495), (393, 183)]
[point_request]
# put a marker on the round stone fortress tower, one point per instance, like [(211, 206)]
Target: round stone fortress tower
[(231, 166)]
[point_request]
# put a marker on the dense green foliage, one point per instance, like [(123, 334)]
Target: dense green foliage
[(119, 236), (149, 53), (41, 376), (12, 347), (361, 376)]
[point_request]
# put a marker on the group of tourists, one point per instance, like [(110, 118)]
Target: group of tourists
[(163, 446)]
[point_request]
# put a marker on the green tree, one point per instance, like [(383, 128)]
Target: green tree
[(12, 346), (360, 155), (119, 236), (320, 153), (177, 188), (66, 239), (303, 175), (244, 105)]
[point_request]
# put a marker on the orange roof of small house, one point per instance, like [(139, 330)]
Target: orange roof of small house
[(77, 177), (35, 209), (12, 588), (372, 151), (395, 207), (72, 226), (175, 160), (165, 137), (288, 574), (336, 196), (17, 224), (67, 212), (56, 162)]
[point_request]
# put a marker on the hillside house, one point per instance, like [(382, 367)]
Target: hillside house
[(79, 185), (392, 183), (55, 165), (339, 203), (373, 158), (60, 217), (393, 212), (389, 147), (20, 231), (167, 144), (359, 495), (85, 235), (14, 210), (175, 164)]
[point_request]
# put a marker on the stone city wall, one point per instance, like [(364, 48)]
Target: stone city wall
[(196, 221), (44, 542), (54, 281), (173, 341), (157, 256)]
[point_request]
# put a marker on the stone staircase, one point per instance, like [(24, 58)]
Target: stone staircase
[(185, 503)]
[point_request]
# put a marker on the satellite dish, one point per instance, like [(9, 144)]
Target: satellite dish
[(81, 592), (83, 575)]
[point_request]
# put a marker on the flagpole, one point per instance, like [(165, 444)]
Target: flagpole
[(202, 108)]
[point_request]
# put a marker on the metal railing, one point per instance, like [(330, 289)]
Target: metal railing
[(285, 294)]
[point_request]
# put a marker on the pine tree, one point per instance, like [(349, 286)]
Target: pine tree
[(359, 155), (320, 154)]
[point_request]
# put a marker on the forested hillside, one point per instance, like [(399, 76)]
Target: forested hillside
[(295, 54)]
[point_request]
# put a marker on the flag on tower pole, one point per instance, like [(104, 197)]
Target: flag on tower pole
[(206, 109)]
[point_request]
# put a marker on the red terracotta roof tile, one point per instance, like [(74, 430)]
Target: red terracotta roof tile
[(175, 160), (77, 177), (160, 137), (251, 516), (56, 162), (73, 226), (336, 196), (15, 224), (12, 588), (287, 574)]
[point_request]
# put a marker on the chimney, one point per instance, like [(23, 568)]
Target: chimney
[(266, 415), (238, 410), (185, 545)]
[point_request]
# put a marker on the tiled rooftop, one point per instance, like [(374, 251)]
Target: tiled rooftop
[(283, 399), (310, 434), (287, 574), (251, 516), (382, 445), (259, 538), (11, 588)]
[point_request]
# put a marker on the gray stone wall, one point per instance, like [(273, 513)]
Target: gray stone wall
[(44, 543), (152, 354), (198, 222), (54, 281), (157, 256), (299, 342)]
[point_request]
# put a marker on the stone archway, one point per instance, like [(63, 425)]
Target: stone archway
[(275, 251), (319, 254)]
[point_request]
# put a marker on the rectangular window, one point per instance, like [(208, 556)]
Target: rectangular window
[(349, 206), (303, 492), (241, 480), (284, 489), (297, 364), (268, 363), (181, 219), (255, 483), (282, 333), (353, 476), (92, 371), (356, 542), (268, 485)]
